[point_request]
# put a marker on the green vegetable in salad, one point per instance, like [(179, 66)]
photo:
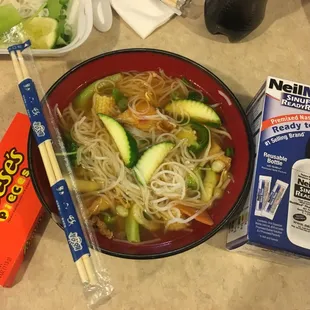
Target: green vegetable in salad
[(54, 8), (48, 24), (58, 10), (9, 17), (61, 42), (64, 2)]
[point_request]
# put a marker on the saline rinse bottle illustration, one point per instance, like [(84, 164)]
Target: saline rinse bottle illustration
[(298, 222)]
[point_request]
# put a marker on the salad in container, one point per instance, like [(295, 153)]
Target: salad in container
[(54, 27)]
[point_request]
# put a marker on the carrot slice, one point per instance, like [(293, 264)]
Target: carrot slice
[(203, 217)]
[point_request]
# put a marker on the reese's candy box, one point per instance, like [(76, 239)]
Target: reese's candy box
[(20, 209)]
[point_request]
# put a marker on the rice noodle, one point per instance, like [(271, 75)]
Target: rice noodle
[(222, 132), (189, 219)]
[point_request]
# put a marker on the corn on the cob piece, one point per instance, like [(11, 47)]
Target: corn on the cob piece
[(104, 105)]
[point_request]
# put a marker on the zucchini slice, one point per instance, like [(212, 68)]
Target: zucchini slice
[(196, 110), (124, 141), (150, 161)]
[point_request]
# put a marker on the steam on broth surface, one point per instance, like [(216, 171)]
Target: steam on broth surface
[(148, 153)]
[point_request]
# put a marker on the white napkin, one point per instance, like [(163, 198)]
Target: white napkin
[(143, 16)]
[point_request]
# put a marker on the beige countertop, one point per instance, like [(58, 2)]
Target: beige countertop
[(207, 277)]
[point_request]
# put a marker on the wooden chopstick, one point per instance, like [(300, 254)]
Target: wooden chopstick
[(83, 264)]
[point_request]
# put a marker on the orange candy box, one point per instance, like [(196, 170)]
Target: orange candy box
[(20, 209)]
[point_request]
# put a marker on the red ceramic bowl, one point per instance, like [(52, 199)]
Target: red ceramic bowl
[(67, 87)]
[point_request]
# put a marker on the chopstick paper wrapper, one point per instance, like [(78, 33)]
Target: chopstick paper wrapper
[(80, 235)]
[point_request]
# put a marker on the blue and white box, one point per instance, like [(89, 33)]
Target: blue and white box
[(276, 216)]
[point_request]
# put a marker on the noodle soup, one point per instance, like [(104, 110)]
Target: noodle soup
[(150, 154)]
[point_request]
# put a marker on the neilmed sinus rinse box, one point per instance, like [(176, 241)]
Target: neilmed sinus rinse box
[(276, 217)]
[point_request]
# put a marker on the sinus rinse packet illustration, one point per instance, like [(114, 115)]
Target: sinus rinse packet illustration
[(276, 217), (262, 194)]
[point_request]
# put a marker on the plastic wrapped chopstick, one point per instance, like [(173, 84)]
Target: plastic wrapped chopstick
[(80, 235)]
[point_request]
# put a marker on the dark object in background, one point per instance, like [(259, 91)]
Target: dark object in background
[(234, 18)]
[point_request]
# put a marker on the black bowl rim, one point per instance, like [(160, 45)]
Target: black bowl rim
[(242, 196)]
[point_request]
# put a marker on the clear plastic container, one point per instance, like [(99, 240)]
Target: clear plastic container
[(84, 27)]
